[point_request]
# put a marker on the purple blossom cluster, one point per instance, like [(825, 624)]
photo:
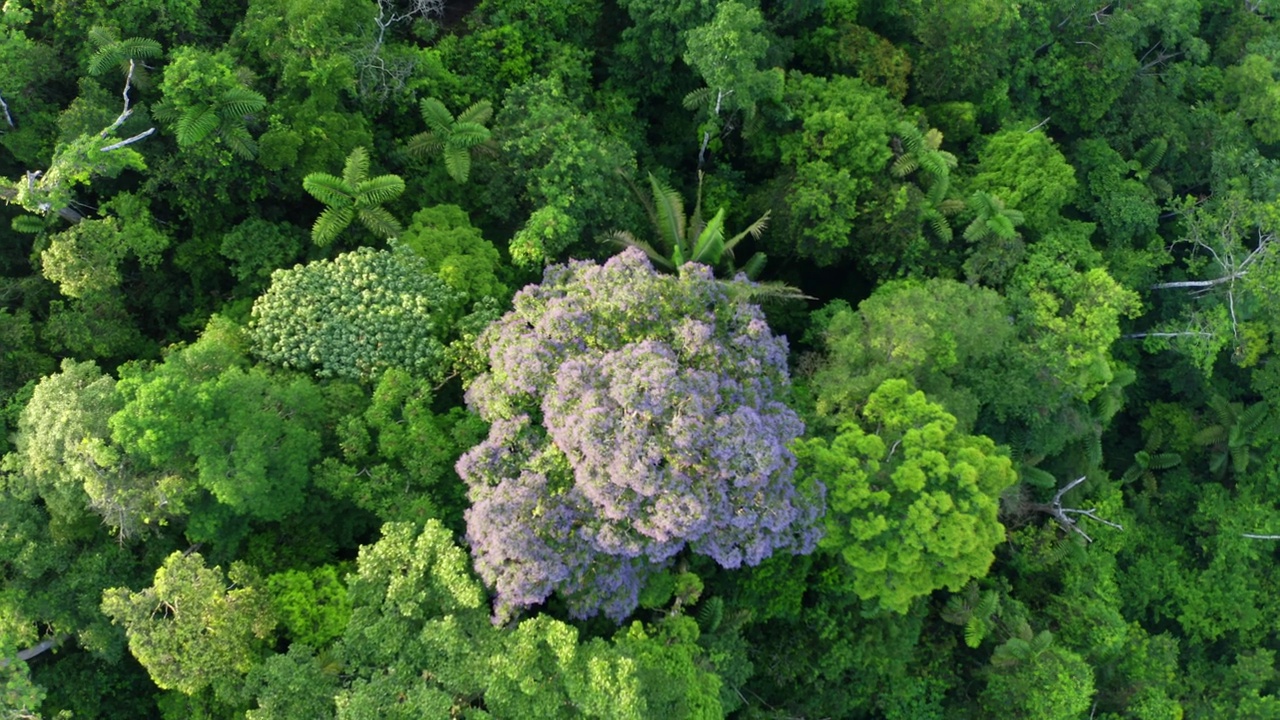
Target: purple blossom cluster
[(633, 414)]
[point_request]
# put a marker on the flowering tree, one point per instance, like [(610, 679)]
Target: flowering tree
[(633, 415)]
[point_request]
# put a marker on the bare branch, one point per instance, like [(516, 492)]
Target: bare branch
[(36, 649), (1251, 536), (1039, 124), (7, 117), (128, 141), (1065, 516)]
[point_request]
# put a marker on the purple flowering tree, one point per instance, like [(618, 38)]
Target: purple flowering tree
[(633, 415)]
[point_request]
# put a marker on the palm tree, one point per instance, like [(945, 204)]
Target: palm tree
[(457, 138), (354, 196), (991, 219), (681, 239)]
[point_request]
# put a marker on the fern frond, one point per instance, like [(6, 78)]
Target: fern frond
[(329, 190), (195, 125), (467, 135), (238, 102), (102, 36), (424, 145), (380, 222), (1253, 417), (106, 58), (1164, 461), (457, 162), (356, 168), (1036, 477), (711, 614), (1093, 449), (378, 190), (27, 224), (165, 112), (698, 98), (975, 631), (479, 113), (1211, 435), (330, 224), (135, 48), (436, 115), (237, 137), (904, 166)]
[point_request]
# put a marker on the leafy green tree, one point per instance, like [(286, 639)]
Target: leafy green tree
[(293, 686), (456, 251), (311, 605), (1253, 87), (912, 503), (834, 161), (1027, 171), (727, 53), (454, 139), (204, 98), (354, 196), (561, 173), (942, 335), (1032, 678), (357, 315), (398, 454), (242, 435), (191, 629)]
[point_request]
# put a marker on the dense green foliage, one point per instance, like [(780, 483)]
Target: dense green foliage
[(327, 391)]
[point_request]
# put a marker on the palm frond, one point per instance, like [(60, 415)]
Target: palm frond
[(755, 265), (626, 239), (755, 230), (708, 248), (669, 212)]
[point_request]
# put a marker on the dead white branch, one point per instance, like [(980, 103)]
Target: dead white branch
[(1067, 517)]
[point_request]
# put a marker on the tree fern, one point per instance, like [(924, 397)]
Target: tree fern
[(353, 197), (457, 138), (114, 52)]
